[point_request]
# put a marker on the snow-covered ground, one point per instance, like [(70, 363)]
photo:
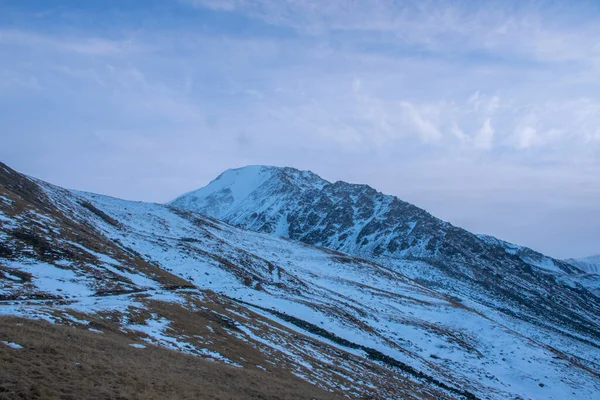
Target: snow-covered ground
[(354, 307), (590, 264)]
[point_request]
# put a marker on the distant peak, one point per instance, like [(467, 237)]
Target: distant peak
[(258, 168), (238, 185), (289, 175), (589, 264), (590, 259), (253, 167), (247, 171)]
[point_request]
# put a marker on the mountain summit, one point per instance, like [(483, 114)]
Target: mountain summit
[(237, 189)]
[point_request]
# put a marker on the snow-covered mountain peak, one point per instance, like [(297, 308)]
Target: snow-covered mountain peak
[(590, 264), (256, 173), (245, 185), (595, 259), (229, 189)]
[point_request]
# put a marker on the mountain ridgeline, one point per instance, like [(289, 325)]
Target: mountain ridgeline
[(346, 217), (357, 219)]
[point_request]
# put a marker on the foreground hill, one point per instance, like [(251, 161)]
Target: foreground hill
[(98, 361), (319, 323)]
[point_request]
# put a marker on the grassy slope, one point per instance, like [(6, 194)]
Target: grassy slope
[(67, 362)]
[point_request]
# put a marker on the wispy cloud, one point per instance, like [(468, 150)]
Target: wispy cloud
[(528, 29), (76, 44), (425, 125)]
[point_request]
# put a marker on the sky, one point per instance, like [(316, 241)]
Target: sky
[(484, 113)]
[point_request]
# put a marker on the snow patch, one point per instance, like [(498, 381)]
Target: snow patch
[(12, 344)]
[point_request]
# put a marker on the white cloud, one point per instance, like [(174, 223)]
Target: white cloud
[(526, 133), (527, 137), (485, 137), (423, 124)]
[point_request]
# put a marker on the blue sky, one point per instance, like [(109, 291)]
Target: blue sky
[(484, 113)]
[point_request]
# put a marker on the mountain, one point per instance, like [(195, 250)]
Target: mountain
[(189, 306), (516, 286), (352, 218), (591, 264)]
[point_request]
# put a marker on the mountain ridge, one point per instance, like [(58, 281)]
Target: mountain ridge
[(188, 199), (251, 210), (483, 271)]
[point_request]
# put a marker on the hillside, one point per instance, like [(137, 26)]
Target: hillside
[(319, 322), (511, 284)]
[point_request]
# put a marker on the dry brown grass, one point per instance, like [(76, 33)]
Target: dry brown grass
[(64, 362)]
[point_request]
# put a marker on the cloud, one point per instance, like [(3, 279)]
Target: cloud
[(91, 46), (471, 110), (485, 137), (423, 125), (521, 29), (13, 78), (527, 137)]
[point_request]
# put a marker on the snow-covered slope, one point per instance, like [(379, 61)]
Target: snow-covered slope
[(238, 188), (188, 282), (591, 264), (511, 284)]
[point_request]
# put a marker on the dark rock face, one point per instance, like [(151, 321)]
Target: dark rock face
[(361, 221)]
